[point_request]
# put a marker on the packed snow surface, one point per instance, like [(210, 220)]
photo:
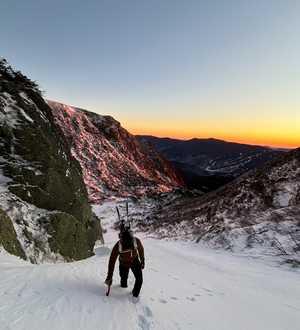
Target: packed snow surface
[(186, 286)]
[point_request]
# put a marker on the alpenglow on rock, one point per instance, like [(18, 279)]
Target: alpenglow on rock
[(41, 187), (115, 163)]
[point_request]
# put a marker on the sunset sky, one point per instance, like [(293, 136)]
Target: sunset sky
[(225, 69)]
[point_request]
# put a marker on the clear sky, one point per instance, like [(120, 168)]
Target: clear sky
[(226, 69)]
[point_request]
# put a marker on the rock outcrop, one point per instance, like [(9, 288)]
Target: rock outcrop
[(8, 237), (38, 171)]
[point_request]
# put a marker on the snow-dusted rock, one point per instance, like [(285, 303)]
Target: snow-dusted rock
[(41, 185), (114, 162)]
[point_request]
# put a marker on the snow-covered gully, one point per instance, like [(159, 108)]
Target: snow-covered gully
[(186, 286)]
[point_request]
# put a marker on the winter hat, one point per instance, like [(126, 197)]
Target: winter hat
[(127, 239)]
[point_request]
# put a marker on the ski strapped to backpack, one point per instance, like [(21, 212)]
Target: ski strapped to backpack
[(122, 222), (124, 228)]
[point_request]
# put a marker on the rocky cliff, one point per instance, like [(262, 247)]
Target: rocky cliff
[(114, 162), (42, 192)]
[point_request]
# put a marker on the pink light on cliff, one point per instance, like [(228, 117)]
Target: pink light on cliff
[(114, 162)]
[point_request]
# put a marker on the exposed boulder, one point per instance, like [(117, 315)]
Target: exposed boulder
[(70, 237), (8, 236)]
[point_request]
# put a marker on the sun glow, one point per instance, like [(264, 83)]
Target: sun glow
[(253, 133)]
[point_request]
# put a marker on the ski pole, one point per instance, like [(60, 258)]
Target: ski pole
[(107, 293), (118, 213)]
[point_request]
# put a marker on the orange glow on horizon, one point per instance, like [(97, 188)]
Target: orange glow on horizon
[(271, 132), (273, 141)]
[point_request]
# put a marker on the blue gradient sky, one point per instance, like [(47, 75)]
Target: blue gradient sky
[(220, 68)]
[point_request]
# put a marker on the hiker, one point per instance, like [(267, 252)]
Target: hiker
[(131, 256)]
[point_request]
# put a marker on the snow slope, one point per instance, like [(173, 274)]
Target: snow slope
[(186, 286)]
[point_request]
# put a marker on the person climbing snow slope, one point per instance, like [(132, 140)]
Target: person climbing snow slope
[(130, 251)]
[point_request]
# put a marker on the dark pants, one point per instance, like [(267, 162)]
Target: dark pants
[(137, 272)]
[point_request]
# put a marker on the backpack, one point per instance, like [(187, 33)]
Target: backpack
[(135, 247)]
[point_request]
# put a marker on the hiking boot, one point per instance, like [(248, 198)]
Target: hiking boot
[(134, 293)]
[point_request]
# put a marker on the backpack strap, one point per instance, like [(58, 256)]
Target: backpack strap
[(135, 243)]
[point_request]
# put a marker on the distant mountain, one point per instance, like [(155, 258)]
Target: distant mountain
[(210, 156), (114, 162), (44, 209), (206, 164), (259, 208)]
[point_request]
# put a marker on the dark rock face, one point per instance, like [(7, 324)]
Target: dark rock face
[(53, 179), (70, 237), (8, 236), (114, 162), (38, 166)]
